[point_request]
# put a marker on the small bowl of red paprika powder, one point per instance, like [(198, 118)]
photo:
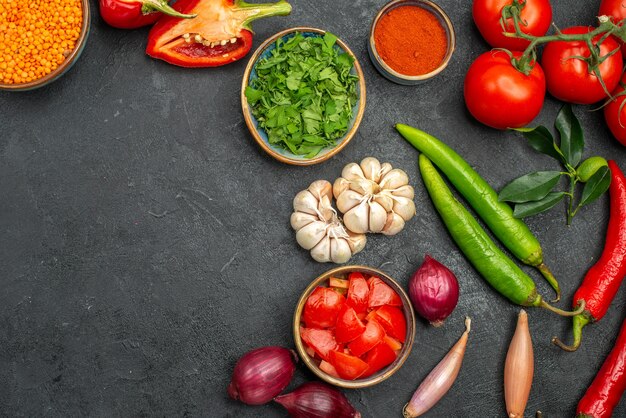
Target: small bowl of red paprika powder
[(411, 41)]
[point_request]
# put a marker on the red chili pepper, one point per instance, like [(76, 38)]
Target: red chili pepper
[(131, 14), (609, 384), (219, 35), (604, 278)]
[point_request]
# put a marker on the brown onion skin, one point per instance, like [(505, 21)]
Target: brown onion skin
[(261, 374), (434, 291), (317, 400)]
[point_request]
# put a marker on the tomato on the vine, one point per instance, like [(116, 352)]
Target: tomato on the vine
[(615, 9), (535, 16), (499, 95), (569, 79), (615, 113)]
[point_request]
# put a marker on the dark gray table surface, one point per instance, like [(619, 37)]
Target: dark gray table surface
[(145, 241)]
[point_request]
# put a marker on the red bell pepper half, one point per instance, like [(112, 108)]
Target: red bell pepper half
[(219, 35), (131, 14)]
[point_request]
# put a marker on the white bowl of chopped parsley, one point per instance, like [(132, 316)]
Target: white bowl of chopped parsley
[(303, 95)]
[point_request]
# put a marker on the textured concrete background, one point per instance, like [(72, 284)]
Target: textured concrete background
[(145, 242)]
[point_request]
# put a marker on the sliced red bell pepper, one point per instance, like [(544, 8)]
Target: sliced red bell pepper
[(349, 326), (219, 35), (374, 334), (393, 320), (320, 340), (377, 358), (382, 294), (131, 14), (348, 367)]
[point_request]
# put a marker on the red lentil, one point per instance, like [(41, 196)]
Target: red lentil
[(36, 36)]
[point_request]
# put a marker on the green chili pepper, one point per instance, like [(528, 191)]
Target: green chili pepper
[(512, 232), (498, 269)]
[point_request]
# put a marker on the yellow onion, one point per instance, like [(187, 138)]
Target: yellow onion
[(518, 369)]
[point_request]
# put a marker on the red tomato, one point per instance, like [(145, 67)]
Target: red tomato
[(617, 10), (392, 343), (377, 358), (568, 79), (382, 294), (393, 321), (374, 333), (322, 307), (499, 95), (349, 326), (322, 341), (329, 369), (536, 18), (347, 366), (358, 292), (615, 113)]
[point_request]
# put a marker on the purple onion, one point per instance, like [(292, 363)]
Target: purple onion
[(434, 291), (261, 374), (317, 400)]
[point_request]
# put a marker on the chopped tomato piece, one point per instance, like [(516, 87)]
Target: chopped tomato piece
[(377, 358), (382, 294), (340, 290), (371, 315), (373, 334), (393, 320), (309, 351), (347, 366), (328, 368), (322, 307), (349, 326), (358, 292), (340, 283), (322, 341), (394, 344)]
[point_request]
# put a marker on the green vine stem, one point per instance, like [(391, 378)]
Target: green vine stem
[(526, 61)]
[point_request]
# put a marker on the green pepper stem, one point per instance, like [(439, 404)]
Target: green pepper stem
[(162, 6), (251, 12), (547, 274), (561, 312), (579, 322)]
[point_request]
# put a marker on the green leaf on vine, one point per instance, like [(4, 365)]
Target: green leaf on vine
[(596, 186), (572, 141), (542, 141), (522, 210), (531, 187)]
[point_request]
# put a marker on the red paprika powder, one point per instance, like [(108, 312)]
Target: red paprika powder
[(410, 40)]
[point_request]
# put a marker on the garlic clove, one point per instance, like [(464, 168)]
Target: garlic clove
[(305, 202), (310, 235), (394, 179), (384, 200), (394, 224), (321, 252), (404, 207), (301, 219), (404, 191), (371, 168), (347, 200), (326, 209), (340, 186), (352, 172), (339, 250), (364, 187), (321, 188), (377, 217), (356, 219), (356, 241), (384, 169)]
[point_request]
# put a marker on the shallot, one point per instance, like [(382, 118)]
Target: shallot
[(439, 380), (434, 291), (261, 374), (317, 400), (518, 369)]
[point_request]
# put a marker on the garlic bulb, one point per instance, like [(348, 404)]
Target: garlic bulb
[(319, 229), (374, 197)]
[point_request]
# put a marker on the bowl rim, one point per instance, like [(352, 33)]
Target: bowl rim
[(245, 107), (69, 60), (451, 39), (382, 374)]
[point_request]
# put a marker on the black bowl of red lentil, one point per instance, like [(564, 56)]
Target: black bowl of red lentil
[(40, 41)]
